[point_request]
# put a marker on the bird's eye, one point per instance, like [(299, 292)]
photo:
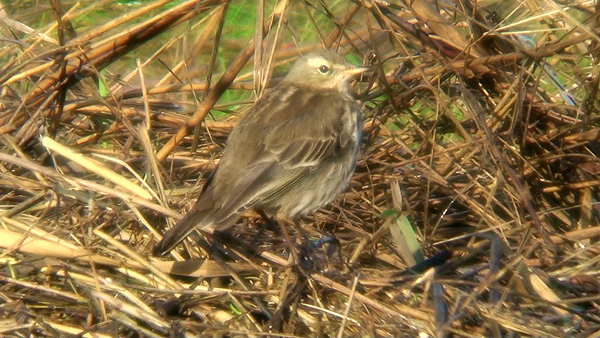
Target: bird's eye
[(324, 69)]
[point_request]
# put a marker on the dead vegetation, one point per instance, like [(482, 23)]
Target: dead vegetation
[(481, 125)]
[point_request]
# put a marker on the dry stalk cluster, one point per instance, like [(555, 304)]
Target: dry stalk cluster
[(474, 211)]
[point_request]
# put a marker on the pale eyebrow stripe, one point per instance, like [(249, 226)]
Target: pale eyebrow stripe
[(317, 61)]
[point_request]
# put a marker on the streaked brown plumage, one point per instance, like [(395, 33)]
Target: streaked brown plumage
[(293, 152)]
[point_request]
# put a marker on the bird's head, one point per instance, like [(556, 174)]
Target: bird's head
[(323, 70)]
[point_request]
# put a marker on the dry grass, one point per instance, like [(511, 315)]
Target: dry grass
[(485, 116)]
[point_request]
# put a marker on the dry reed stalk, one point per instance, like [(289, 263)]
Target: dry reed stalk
[(486, 116)]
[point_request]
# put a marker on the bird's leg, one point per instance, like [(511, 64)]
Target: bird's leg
[(270, 222), (288, 241), (303, 257), (284, 233), (308, 259), (301, 231)]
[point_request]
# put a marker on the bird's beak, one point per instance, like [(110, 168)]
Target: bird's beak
[(356, 70)]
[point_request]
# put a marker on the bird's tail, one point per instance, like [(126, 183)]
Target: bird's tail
[(198, 217)]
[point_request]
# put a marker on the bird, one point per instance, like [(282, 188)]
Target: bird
[(292, 152)]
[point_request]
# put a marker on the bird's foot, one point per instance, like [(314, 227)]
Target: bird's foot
[(311, 259)]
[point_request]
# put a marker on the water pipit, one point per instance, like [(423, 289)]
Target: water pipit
[(290, 154)]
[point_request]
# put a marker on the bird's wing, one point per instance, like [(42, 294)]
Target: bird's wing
[(292, 148), (287, 154)]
